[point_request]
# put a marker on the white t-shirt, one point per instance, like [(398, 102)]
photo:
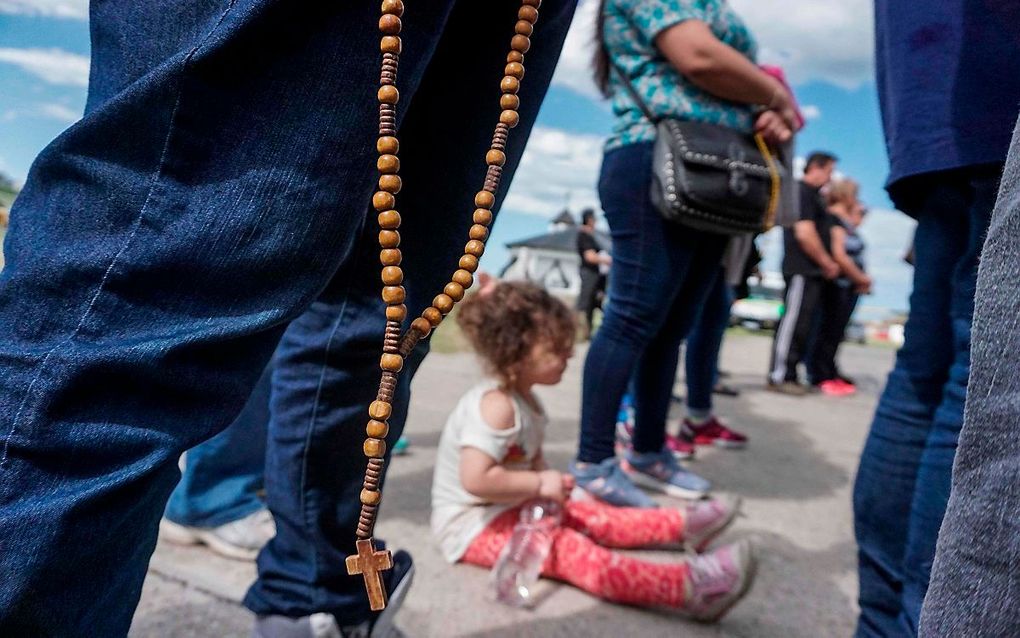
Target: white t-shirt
[(457, 515)]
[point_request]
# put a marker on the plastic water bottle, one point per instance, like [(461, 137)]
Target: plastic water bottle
[(520, 563)]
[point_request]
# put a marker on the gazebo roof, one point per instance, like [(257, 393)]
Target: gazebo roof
[(565, 218), (561, 240)]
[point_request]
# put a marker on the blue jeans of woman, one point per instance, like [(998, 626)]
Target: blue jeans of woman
[(662, 273), (701, 357), (212, 200), (223, 476), (903, 480)]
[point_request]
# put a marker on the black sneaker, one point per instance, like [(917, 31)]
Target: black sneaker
[(324, 625)]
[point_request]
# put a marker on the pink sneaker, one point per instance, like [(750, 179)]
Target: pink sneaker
[(681, 447), (713, 432), (836, 388), (705, 520), (718, 580)]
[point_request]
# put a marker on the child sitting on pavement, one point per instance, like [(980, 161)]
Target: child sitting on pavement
[(490, 463)]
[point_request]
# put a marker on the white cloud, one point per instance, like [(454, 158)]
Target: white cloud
[(810, 111), (59, 112), (72, 9), (823, 40), (558, 169), (55, 66)]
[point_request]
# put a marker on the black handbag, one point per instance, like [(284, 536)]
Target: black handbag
[(710, 177)]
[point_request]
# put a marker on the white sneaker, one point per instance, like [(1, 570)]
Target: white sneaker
[(241, 539)]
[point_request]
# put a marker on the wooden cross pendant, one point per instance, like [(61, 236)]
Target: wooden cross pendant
[(370, 564)]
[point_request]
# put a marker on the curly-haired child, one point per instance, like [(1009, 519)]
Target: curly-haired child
[(490, 462)]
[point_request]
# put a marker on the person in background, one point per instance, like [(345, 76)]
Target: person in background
[(593, 262), (692, 59), (807, 265), (490, 464), (218, 502), (949, 89), (839, 297)]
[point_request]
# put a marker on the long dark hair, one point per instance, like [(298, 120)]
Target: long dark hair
[(600, 61)]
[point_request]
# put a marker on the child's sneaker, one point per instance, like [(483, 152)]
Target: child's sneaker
[(661, 471), (705, 520), (606, 482), (718, 580), (713, 432)]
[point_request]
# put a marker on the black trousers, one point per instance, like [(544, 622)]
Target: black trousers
[(835, 308), (803, 293)]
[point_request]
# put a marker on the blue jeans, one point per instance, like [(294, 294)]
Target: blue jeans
[(704, 342), (213, 196), (662, 273), (223, 476), (903, 481)]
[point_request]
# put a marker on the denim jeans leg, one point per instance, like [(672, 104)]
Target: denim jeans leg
[(651, 259), (701, 357), (217, 182), (890, 462), (327, 372), (936, 465), (223, 476), (973, 589)]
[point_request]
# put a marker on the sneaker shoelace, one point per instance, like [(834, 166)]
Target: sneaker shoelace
[(710, 576)]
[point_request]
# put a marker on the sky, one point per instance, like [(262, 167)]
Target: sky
[(825, 46)]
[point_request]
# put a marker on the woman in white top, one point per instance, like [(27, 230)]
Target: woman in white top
[(490, 464)]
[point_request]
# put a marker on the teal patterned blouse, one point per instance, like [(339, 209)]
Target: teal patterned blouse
[(630, 30)]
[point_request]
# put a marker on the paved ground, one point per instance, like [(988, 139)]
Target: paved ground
[(795, 479)]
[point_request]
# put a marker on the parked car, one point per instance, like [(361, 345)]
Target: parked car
[(763, 308)]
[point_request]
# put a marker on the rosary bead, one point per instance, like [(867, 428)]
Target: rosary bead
[(394, 295), (377, 429), (515, 56), (396, 7), (529, 13), (433, 316), (370, 497), (484, 199), (524, 27), (392, 275), (479, 232), (443, 303), (391, 183), (533, 3), (468, 263), (520, 43), (388, 94), (389, 219), (463, 277), (390, 44), (387, 145), (391, 362), (510, 84), (390, 256), (389, 238), (383, 201), (482, 216), (509, 117), (388, 163), (495, 158), (474, 247), (509, 101), (515, 69), (396, 313), (380, 410), (454, 291), (375, 448), (389, 24), (422, 325)]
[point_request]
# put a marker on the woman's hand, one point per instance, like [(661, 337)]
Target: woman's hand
[(771, 125), (863, 286)]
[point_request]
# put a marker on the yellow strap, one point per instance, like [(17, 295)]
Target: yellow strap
[(770, 161)]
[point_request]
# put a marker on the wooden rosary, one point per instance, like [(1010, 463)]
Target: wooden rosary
[(397, 344)]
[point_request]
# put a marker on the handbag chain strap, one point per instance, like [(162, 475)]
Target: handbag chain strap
[(398, 344)]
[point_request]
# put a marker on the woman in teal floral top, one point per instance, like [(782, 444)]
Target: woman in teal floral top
[(693, 60)]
